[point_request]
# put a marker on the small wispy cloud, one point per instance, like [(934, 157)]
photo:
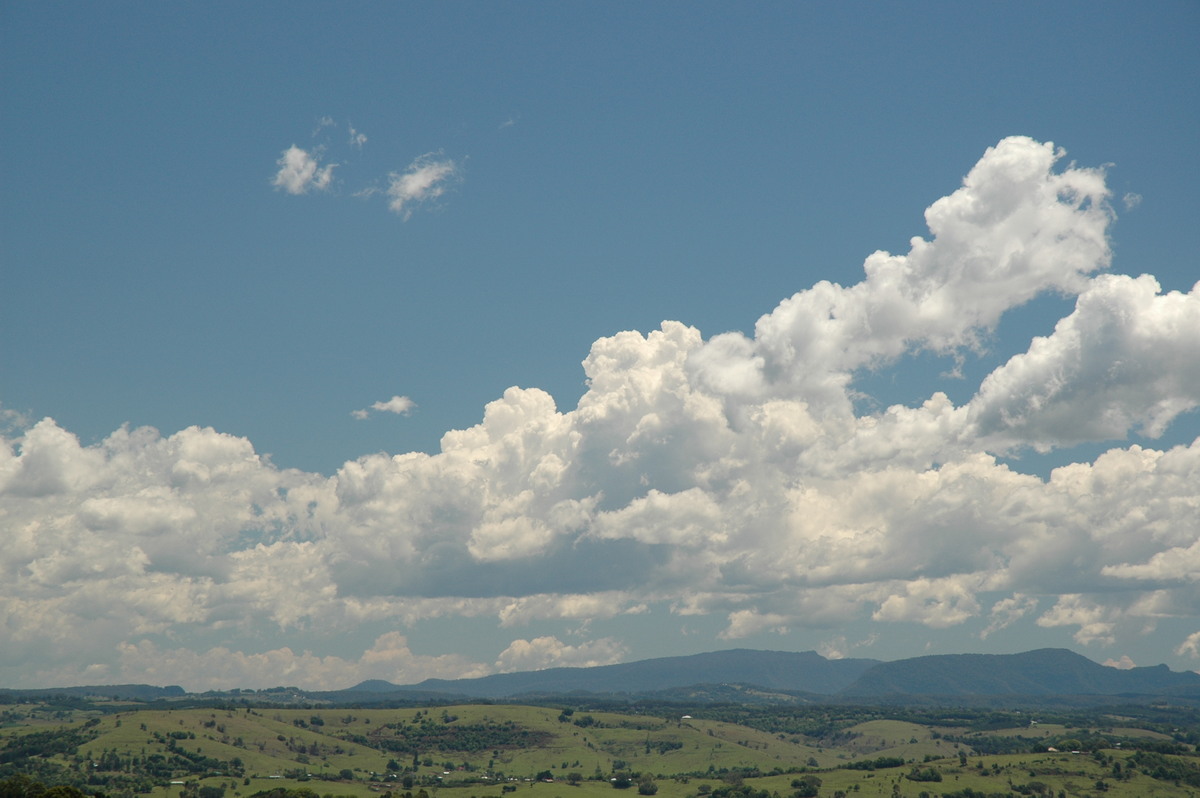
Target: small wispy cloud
[(13, 420), (322, 123), (425, 179), (1008, 611), (1131, 200), (400, 405), (1190, 646), (300, 171), (838, 648)]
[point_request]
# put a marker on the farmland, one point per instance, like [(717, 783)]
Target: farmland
[(161, 750)]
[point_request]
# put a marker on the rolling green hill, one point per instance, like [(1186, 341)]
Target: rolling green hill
[(489, 750)]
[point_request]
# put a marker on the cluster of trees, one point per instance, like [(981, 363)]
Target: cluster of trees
[(1165, 768), (806, 787), (829, 725), (430, 735), (47, 742), (645, 782), (22, 786), (924, 774), (878, 763)]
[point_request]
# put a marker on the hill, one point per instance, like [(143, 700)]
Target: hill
[(735, 676), (490, 750), (805, 671), (120, 692), (1044, 672)]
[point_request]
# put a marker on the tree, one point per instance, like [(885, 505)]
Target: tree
[(807, 786), (63, 791), (647, 786), (924, 774), (574, 777)]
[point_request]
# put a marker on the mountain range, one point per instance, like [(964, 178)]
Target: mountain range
[(805, 671), (751, 676), (755, 676)]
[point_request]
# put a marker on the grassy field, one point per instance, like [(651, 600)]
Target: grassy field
[(495, 751)]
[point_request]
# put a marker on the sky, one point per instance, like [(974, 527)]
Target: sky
[(400, 340)]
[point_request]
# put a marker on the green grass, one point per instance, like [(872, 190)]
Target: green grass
[(273, 746)]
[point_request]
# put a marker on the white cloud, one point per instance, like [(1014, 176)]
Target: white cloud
[(936, 603), (838, 648), (400, 405), (550, 652), (580, 607), (744, 623), (423, 182), (220, 668), (731, 477), (1096, 623), (1008, 611), (1127, 358), (12, 420), (1015, 229), (833, 649), (1190, 646), (426, 178), (1122, 664), (299, 172)]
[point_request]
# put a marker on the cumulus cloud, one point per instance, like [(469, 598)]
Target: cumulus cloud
[(299, 172), (550, 652), (400, 405), (426, 178), (1127, 358), (1094, 621), (743, 623), (731, 477), (389, 658), (1015, 229), (422, 183)]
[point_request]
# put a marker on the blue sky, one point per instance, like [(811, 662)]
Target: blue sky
[(481, 196)]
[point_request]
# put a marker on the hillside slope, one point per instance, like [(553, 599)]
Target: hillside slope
[(1047, 671), (804, 671)]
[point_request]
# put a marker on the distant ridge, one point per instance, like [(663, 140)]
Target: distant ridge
[(744, 674), (1033, 678), (805, 671), (122, 692), (1044, 672)]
